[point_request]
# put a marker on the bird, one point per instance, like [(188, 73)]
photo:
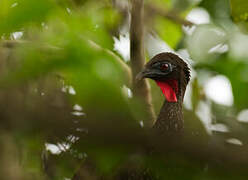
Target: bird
[(172, 75)]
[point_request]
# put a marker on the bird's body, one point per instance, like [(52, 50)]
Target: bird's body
[(172, 75)]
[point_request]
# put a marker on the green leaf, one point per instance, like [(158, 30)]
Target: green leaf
[(195, 94), (239, 10), (219, 10), (170, 32), (22, 13), (165, 3)]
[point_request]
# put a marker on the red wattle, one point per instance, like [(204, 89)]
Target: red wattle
[(169, 89)]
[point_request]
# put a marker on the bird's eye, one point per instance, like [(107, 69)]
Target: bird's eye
[(164, 66)]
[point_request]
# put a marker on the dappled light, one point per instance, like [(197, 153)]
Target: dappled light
[(219, 89)]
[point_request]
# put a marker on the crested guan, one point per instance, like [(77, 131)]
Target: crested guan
[(172, 75)]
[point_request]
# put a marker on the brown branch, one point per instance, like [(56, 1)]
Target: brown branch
[(167, 14), (141, 90)]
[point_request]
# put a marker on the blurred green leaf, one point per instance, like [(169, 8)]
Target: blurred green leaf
[(108, 159), (219, 10), (170, 32), (31, 148), (164, 3), (183, 5), (23, 12), (239, 10), (195, 94)]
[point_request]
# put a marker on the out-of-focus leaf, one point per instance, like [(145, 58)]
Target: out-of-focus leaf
[(218, 9), (60, 166), (111, 17), (164, 3), (239, 10), (170, 32), (157, 96), (31, 148), (181, 6), (107, 159), (237, 72), (195, 94), (23, 12), (203, 39)]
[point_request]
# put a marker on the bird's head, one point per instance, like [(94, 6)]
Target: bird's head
[(170, 72)]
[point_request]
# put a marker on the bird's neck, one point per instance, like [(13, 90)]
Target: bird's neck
[(170, 118)]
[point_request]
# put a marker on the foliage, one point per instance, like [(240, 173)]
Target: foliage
[(62, 85)]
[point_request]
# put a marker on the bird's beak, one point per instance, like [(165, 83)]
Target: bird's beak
[(141, 75)]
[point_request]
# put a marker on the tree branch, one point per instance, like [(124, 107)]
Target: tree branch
[(141, 90)]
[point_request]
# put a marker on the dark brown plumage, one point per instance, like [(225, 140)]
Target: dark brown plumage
[(165, 68)]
